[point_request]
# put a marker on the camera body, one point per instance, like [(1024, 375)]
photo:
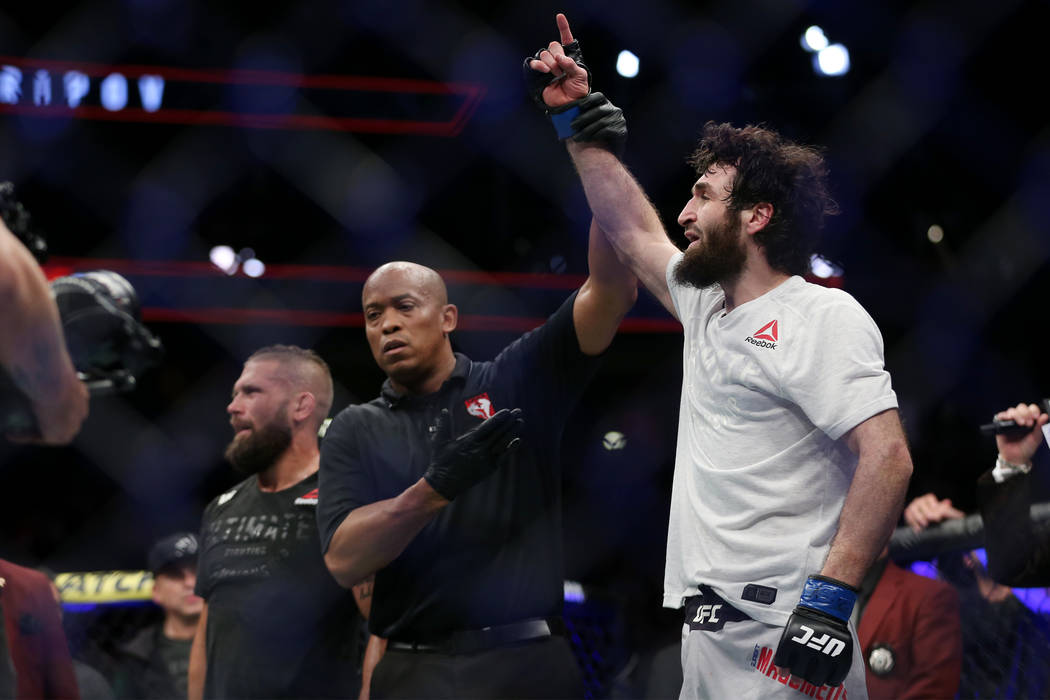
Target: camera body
[(101, 322)]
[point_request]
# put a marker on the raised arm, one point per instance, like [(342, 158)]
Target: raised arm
[(626, 216), (33, 348), (875, 498), (616, 199), (605, 297)]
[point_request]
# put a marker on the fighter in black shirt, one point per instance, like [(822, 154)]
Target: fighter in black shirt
[(447, 487), (275, 623)]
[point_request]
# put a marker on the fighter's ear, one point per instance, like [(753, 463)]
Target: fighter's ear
[(760, 216), (303, 406)]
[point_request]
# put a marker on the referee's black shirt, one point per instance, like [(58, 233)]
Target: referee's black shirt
[(495, 554)]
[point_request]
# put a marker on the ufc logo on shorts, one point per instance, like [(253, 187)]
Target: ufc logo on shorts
[(708, 612), (824, 643)]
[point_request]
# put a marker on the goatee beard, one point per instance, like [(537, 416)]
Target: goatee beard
[(719, 257), (259, 450)]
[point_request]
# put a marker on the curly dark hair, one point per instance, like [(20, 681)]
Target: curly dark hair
[(769, 168)]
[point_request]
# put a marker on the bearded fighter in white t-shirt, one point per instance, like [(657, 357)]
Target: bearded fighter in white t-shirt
[(792, 465)]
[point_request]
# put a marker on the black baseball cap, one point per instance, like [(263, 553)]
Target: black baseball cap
[(173, 550)]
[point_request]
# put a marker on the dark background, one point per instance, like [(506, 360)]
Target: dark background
[(940, 122)]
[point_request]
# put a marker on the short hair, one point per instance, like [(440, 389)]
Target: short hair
[(295, 357), (787, 175)]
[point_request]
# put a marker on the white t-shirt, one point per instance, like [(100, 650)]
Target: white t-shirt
[(760, 470)]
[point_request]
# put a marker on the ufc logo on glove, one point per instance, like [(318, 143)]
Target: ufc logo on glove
[(825, 643)]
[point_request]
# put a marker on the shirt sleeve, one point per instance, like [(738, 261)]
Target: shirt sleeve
[(673, 287), (838, 376), (203, 585), (343, 482), (548, 365)]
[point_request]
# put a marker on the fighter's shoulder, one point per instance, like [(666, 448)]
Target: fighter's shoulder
[(230, 495), (357, 413), (812, 302)]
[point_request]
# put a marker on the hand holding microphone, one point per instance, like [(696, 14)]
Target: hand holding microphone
[(1016, 435)]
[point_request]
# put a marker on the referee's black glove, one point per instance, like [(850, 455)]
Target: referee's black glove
[(817, 645), (461, 462)]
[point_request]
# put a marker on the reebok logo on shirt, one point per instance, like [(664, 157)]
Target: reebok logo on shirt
[(766, 336), (307, 499)]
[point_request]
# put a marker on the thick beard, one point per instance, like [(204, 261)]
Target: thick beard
[(259, 450), (719, 257)]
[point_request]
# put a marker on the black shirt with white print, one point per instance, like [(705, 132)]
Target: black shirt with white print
[(279, 626), (493, 556)]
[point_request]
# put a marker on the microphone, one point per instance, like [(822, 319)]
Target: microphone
[(1011, 428), (1005, 427)]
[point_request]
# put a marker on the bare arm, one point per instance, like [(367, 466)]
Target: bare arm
[(618, 203), (363, 595), (874, 501), (198, 659), (376, 646), (372, 536), (33, 348), (626, 216), (605, 297), (373, 653)]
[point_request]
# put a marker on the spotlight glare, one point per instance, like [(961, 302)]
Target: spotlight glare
[(935, 234), (253, 267), (832, 60), (223, 257), (813, 39), (627, 64), (823, 268)]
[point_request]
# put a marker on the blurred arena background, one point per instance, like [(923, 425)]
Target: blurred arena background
[(323, 138)]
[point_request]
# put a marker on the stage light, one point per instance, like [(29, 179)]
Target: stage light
[(627, 64), (253, 267), (223, 257), (813, 39), (832, 60)]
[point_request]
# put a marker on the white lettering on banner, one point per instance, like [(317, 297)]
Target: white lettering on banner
[(41, 88), (114, 92), (151, 92), (10, 85), (76, 86)]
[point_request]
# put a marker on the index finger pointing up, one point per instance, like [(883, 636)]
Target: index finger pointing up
[(563, 29)]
